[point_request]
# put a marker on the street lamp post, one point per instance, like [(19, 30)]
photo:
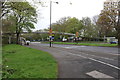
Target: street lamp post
[(50, 31), (118, 24), (50, 22)]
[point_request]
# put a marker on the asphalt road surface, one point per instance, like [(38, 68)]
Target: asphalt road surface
[(84, 61)]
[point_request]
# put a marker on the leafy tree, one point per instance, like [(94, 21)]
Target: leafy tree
[(8, 25), (74, 25), (89, 28), (97, 28), (107, 23), (62, 24), (68, 25), (4, 8), (24, 16)]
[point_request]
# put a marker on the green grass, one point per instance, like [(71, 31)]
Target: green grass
[(87, 44), (26, 62), (98, 44)]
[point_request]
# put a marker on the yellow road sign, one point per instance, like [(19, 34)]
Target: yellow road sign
[(77, 34), (50, 31)]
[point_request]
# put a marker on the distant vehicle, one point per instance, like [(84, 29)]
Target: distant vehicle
[(27, 42), (113, 42), (64, 39)]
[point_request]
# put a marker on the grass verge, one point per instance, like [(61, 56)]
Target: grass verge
[(87, 44), (24, 62)]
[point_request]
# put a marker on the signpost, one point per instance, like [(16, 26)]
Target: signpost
[(50, 36), (76, 39), (77, 34)]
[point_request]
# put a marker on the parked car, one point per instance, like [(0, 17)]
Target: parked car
[(113, 42), (27, 42), (64, 39)]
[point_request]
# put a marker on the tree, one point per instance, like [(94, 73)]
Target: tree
[(24, 15), (74, 25), (4, 8), (97, 28), (8, 25), (67, 24), (89, 28), (107, 23), (62, 24)]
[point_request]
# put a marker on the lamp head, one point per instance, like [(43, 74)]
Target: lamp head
[(57, 2)]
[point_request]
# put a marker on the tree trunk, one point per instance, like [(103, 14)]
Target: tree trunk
[(17, 38), (9, 39)]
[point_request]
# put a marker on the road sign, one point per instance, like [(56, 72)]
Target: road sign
[(52, 34), (51, 37), (50, 31), (77, 34)]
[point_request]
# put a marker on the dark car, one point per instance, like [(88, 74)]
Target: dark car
[(113, 42)]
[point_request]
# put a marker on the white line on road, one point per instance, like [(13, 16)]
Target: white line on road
[(78, 55), (96, 74), (117, 54), (71, 47), (98, 61), (105, 63), (74, 47), (97, 56)]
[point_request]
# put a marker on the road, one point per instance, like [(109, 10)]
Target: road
[(84, 61)]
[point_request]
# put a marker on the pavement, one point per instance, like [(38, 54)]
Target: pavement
[(84, 61)]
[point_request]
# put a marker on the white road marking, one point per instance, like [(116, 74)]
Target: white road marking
[(74, 46), (97, 61), (70, 47), (107, 58), (117, 54), (105, 63), (96, 74), (94, 55), (78, 55), (35, 42), (82, 46), (98, 56)]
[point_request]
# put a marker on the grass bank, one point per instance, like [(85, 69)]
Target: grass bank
[(87, 44), (24, 62)]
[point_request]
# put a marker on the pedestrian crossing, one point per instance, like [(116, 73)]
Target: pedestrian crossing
[(97, 74)]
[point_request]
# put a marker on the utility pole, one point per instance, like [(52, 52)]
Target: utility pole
[(118, 24), (50, 31), (50, 23)]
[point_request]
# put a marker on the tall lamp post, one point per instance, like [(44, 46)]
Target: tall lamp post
[(118, 24), (50, 31), (50, 22)]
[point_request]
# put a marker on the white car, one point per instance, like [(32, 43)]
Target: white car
[(64, 39), (27, 42)]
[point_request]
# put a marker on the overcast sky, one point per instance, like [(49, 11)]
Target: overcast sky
[(78, 9)]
